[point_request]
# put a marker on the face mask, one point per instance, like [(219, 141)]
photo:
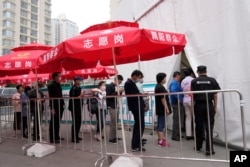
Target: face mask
[(103, 88)]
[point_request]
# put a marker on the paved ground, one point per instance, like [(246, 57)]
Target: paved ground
[(87, 152)]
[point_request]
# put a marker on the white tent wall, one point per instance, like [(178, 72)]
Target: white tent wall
[(218, 36)]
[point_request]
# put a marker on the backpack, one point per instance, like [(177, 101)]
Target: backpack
[(93, 105)]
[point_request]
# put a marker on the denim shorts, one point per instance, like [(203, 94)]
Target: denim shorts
[(160, 123)]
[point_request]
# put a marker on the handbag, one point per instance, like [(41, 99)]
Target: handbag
[(93, 105)]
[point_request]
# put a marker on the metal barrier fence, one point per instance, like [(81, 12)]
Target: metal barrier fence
[(86, 140)]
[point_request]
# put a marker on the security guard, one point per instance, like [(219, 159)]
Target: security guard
[(203, 83)]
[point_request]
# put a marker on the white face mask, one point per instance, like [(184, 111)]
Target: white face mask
[(103, 88)]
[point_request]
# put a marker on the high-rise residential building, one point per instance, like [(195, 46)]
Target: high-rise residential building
[(62, 29), (23, 22)]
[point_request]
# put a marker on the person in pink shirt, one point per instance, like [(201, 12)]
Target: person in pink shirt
[(187, 102)]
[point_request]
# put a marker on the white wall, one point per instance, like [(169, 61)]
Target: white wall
[(218, 36)]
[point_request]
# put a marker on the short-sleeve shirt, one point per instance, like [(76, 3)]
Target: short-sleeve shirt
[(186, 86), (160, 109), (203, 83)]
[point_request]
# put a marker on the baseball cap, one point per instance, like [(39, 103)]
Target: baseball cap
[(78, 78), (201, 69)]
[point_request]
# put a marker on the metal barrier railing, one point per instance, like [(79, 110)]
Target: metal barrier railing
[(89, 144), (167, 156)]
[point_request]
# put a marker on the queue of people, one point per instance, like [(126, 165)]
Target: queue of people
[(178, 103)]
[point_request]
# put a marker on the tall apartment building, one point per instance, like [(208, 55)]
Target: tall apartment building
[(23, 22), (62, 29)]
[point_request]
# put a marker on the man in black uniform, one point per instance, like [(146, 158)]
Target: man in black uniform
[(56, 106), (202, 83), (75, 106)]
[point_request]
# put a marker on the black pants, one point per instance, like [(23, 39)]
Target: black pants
[(176, 128), (17, 121), (201, 118), (76, 115), (138, 129), (100, 120), (25, 125), (35, 134), (54, 125)]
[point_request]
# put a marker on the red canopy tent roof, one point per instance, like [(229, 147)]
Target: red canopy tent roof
[(127, 44), (98, 72), (22, 60)]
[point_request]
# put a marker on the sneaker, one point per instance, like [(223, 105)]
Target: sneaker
[(113, 141), (98, 137), (197, 149), (210, 153), (163, 143), (138, 149)]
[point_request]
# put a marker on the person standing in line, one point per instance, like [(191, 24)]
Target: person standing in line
[(56, 106), (204, 83), (36, 102), (112, 103), (162, 108), (176, 103), (25, 108), (16, 102), (136, 106), (75, 106), (187, 102), (100, 93)]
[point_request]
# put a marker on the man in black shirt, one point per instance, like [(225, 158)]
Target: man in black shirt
[(203, 83), (56, 104), (75, 106), (136, 106), (111, 90)]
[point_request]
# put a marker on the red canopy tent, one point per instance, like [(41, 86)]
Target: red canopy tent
[(110, 24), (24, 79), (22, 60), (125, 44), (98, 72)]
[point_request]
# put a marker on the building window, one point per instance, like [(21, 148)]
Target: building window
[(47, 43), (9, 14), (33, 33), (23, 30), (24, 5), (47, 20), (33, 25), (7, 23), (9, 5), (47, 13), (8, 42), (24, 22), (24, 13), (47, 6), (23, 38), (47, 28), (34, 9), (8, 33), (34, 17), (33, 39), (5, 51), (34, 2), (47, 36)]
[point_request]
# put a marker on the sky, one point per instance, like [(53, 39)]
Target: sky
[(83, 12)]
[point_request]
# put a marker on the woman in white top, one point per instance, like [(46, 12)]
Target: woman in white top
[(17, 105), (100, 93), (187, 101)]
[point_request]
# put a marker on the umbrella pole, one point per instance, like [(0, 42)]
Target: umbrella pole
[(139, 62), (38, 110), (119, 102)]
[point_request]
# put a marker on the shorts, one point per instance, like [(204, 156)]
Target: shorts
[(160, 123)]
